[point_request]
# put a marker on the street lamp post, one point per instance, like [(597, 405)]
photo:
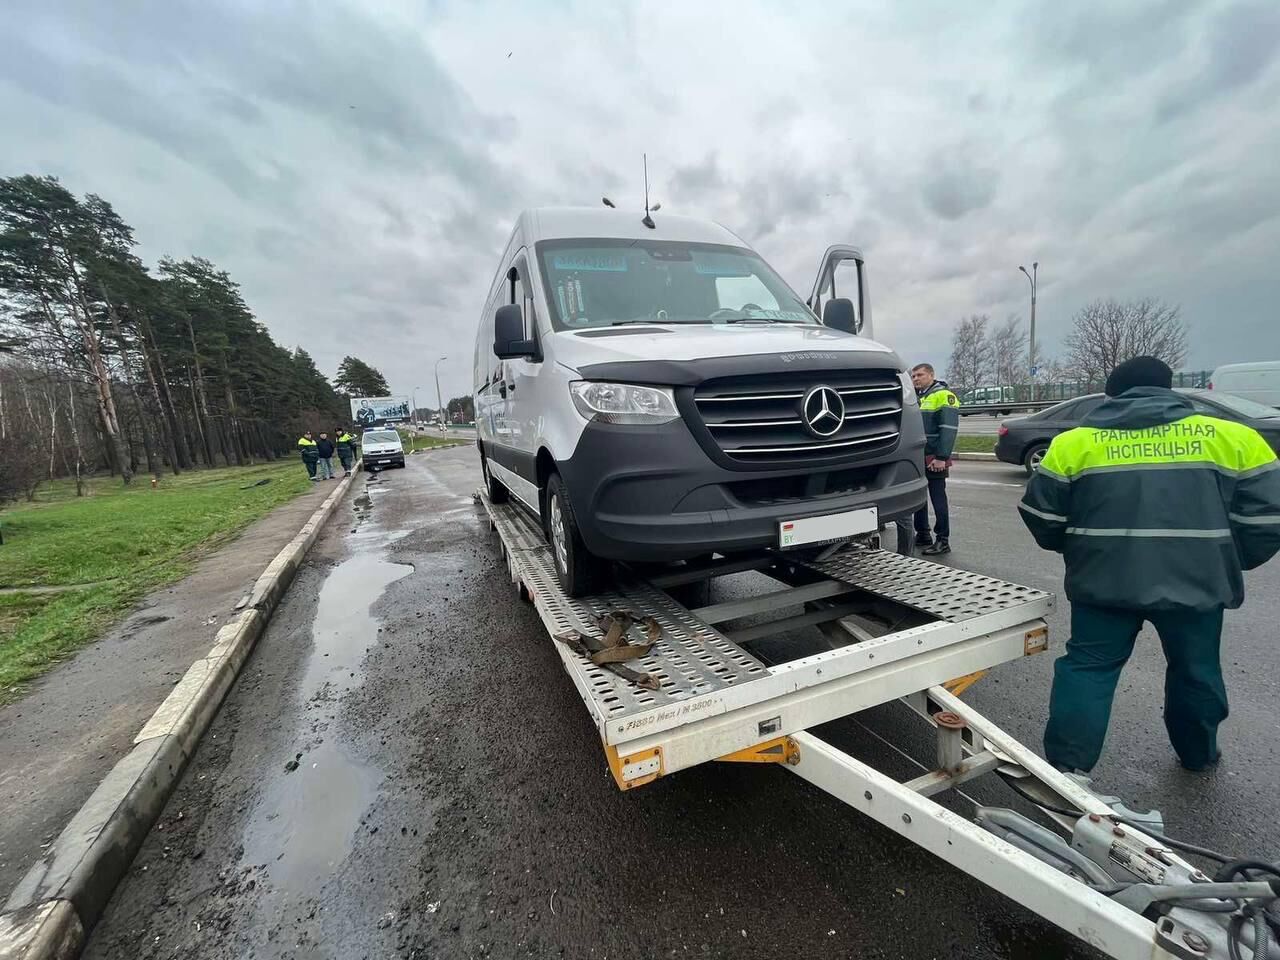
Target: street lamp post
[(1031, 357), (439, 399), (415, 405)]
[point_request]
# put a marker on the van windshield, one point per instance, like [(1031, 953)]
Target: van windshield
[(381, 436), (602, 283)]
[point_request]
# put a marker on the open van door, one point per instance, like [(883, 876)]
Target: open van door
[(843, 275)]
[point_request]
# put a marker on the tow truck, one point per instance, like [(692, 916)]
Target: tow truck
[(671, 686)]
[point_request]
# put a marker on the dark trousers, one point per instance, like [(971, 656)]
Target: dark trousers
[(941, 515), (310, 463), (1085, 677), (346, 457)]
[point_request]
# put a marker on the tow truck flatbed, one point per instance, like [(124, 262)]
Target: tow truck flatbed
[(715, 697), (899, 628)]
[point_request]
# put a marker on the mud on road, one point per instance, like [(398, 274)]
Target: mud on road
[(403, 770)]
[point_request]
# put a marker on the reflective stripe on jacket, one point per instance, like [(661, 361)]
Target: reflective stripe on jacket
[(308, 448), (940, 410), (347, 441), (1155, 506)]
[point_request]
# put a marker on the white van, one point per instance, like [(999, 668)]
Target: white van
[(1258, 381), (381, 448), (659, 393)]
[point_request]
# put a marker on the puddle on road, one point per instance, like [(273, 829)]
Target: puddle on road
[(305, 823), (344, 629)]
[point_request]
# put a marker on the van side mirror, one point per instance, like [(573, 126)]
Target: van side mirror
[(838, 314), (508, 334)]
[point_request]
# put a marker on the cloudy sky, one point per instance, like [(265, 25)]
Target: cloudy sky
[(357, 166)]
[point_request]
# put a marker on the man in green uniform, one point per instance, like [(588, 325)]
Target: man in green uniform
[(346, 444), (310, 454), (1156, 510), (941, 412)]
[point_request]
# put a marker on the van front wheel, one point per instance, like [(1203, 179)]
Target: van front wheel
[(578, 570)]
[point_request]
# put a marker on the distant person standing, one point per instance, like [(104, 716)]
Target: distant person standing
[(324, 448), (346, 450), (941, 411), (310, 454)]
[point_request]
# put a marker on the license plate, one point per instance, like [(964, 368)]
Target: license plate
[(388, 460), (830, 528)]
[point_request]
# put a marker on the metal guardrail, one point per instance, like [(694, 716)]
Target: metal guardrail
[(1013, 406), (1018, 396)]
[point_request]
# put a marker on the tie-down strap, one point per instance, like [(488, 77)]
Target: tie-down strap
[(618, 644)]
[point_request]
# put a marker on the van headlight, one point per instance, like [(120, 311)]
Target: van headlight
[(908, 390), (623, 402)]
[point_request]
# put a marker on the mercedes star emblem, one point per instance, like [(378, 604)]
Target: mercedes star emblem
[(822, 410)]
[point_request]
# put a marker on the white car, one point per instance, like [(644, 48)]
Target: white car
[(657, 392), (381, 448)]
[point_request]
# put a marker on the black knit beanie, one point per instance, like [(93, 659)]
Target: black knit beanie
[(1139, 372)]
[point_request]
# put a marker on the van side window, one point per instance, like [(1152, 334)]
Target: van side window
[(522, 288), (844, 283)]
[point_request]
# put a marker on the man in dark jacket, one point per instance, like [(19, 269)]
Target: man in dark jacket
[(346, 444), (941, 412), (307, 447), (1156, 510), (324, 447)]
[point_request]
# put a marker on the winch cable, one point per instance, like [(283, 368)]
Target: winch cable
[(1262, 918), (1265, 919), (1173, 842)]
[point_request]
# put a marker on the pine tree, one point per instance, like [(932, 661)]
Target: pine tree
[(358, 379)]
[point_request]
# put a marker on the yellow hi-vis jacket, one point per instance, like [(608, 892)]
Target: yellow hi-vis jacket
[(941, 412), (1154, 506)]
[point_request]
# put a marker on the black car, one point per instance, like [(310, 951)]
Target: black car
[(1024, 440)]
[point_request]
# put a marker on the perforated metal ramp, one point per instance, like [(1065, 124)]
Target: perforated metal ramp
[(691, 659), (693, 662), (944, 592)]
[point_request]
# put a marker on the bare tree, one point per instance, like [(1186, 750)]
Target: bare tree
[(972, 354), (1009, 352), (1108, 332)]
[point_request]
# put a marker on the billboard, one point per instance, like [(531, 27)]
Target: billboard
[(373, 411)]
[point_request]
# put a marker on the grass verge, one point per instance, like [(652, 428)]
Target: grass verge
[(111, 547), (972, 444), (414, 442)]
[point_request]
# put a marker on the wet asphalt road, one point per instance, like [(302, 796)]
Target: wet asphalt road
[(403, 770)]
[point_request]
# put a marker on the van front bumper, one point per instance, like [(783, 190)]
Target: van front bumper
[(651, 493)]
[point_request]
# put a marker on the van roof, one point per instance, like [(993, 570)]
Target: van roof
[(568, 223)]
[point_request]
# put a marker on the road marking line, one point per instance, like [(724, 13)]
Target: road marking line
[(983, 483)]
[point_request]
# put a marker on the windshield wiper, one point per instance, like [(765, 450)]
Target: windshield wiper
[(651, 322), (761, 320)]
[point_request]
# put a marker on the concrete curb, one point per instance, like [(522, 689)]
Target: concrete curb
[(51, 911)]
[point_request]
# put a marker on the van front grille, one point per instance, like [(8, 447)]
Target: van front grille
[(762, 418)]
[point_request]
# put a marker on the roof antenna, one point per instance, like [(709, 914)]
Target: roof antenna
[(648, 220), (608, 203)]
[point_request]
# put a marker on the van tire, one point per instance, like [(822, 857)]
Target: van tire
[(494, 488), (579, 572)]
